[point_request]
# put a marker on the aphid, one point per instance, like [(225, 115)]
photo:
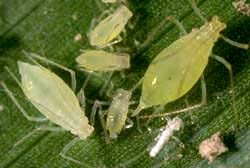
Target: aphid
[(176, 69), (242, 7), (108, 30), (98, 60), (117, 112), (52, 97), (174, 124), (212, 147)]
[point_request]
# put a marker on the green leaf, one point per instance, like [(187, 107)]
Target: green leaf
[(48, 27)]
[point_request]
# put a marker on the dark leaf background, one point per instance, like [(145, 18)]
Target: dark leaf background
[(47, 27)]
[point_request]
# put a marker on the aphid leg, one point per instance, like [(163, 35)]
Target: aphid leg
[(235, 43), (109, 92), (41, 128), (197, 10), (15, 101), (203, 102), (64, 155), (138, 125), (229, 68), (101, 115), (106, 84), (81, 98), (152, 34), (157, 110), (72, 73), (181, 144)]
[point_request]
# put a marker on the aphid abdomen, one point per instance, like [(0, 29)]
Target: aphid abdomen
[(109, 28), (117, 112), (54, 99), (98, 60), (176, 69)]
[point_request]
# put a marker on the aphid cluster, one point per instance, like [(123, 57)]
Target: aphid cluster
[(164, 80)]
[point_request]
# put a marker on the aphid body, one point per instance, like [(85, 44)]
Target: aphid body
[(110, 27), (117, 112), (54, 99), (176, 69), (173, 125), (98, 60)]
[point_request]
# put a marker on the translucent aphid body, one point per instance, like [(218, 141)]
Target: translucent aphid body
[(174, 124), (117, 112), (176, 69), (110, 27), (54, 99), (98, 60)]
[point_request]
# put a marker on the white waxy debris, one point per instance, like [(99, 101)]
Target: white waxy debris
[(242, 7), (212, 147), (173, 125), (78, 37), (1, 107)]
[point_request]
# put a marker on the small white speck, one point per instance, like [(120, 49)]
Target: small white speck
[(78, 37)]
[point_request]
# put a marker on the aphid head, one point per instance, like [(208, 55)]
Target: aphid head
[(213, 28), (125, 12), (123, 94)]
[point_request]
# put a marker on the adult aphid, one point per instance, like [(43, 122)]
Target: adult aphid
[(52, 97), (107, 31), (174, 124), (177, 68)]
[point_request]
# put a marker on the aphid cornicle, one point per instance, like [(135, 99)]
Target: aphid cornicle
[(107, 30), (53, 98), (176, 69), (98, 60)]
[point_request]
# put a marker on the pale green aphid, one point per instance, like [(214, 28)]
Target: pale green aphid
[(98, 60), (177, 68), (117, 112), (53, 98), (108, 30)]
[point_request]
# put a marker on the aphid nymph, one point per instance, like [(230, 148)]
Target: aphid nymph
[(108, 30)]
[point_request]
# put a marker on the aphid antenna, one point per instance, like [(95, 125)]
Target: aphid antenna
[(153, 33), (25, 114), (64, 155), (226, 39), (38, 129)]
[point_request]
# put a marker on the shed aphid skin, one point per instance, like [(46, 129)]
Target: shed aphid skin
[(107, 31), (172, 74), (212, 147), (99, 60), (242, 7), (174, 124)]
